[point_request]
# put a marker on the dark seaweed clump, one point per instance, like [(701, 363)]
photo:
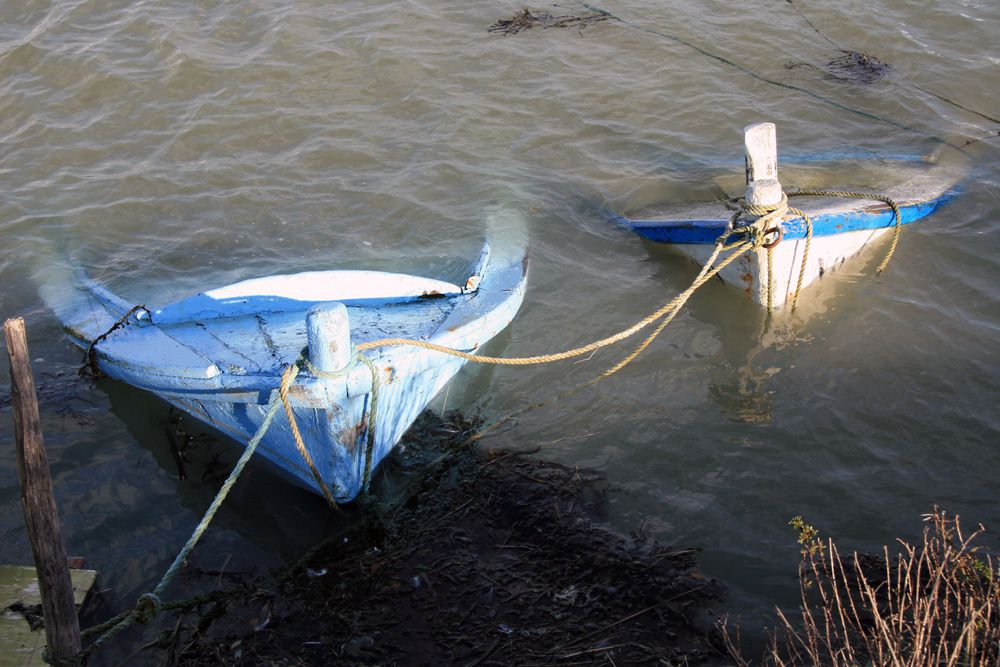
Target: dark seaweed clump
[(851, 67), (527, 19), (858, 66), (496, 559)]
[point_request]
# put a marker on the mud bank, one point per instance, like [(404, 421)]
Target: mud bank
[(495, 558)]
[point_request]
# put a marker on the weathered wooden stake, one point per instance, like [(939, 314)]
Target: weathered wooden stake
[(761, 150), (62, 627), (329, 334)]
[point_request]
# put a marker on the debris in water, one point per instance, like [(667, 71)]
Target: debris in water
[(32, 614), (526, 20), (63, 393), (858, 66), (850, 67)]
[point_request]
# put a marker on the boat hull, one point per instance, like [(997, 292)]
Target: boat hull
[(841, 227), (336, 435), (220, 355), (749, 272)]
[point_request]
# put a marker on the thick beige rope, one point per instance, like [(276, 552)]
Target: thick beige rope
[(286, 382), (671, 306), (891, 203)]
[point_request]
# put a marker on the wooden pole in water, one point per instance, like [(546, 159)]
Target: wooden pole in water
[(62, 627)]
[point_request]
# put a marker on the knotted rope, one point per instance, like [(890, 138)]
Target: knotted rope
[(778, 213), (769, 220)]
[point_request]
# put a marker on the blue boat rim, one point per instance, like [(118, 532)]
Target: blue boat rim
[(707, 231)]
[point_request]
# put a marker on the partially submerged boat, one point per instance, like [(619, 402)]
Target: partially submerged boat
[(220, 355), (841, 227)]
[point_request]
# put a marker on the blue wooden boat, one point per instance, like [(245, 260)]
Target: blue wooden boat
[(842, 227), (219, 355)]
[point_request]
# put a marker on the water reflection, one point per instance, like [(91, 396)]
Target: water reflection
[(741, 387), (746, 399), (753, 344), (277, 516)]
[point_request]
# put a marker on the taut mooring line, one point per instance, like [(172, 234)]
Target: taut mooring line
[(774, 82), (837, 46)]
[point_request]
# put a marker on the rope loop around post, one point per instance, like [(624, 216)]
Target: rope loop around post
[(768, 221), (372, 414), (772, 216), (897, 216), (762, 210), (287, 377)]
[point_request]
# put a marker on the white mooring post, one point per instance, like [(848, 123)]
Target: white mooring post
[(329, 334), (761, 146)]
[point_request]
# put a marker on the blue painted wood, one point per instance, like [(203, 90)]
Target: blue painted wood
[(219, 355), (918, 185), (707, 232)]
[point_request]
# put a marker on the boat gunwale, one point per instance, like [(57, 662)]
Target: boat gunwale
[(353, 380), (707, 231)]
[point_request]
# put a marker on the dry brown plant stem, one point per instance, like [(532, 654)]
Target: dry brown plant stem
[(936, 603)]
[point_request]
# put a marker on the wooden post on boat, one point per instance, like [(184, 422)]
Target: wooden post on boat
[(761, 146), (62, 628), (328, 331)]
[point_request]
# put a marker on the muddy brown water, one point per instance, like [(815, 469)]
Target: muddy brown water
[(171, 147)]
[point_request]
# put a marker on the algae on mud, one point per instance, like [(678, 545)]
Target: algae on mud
[(495, 557)]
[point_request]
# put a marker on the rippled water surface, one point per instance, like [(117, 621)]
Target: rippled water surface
[(170, 147)]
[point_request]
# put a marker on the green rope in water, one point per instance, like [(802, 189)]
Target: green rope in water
[(149, 604)]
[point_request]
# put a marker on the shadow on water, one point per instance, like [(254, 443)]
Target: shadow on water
[(265, 509), (447, 525)]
